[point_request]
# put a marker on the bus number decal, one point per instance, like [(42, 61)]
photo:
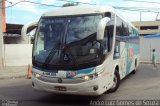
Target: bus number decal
[(71, 74)]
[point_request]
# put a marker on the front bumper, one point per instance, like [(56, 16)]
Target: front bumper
[(91, 87)]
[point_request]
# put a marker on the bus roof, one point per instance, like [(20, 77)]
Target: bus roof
[(76, 10)]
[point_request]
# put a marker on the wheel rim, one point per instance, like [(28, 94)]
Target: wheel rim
[(114, 81)]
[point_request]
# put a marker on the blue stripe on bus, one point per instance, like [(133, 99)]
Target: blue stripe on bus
[(86, 70), (81, 71)]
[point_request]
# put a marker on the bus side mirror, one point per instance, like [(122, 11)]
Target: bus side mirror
[(24, 31), (101, 28), (27, 26)]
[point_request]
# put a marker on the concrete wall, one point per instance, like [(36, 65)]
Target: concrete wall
[(146, 46), (18, 54)]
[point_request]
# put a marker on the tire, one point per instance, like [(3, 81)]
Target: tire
[(116, 82), (134, 71)]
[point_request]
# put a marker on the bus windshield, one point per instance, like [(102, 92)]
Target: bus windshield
[(67, 42)]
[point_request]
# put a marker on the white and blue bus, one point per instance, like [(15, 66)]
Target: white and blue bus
[(83, 50)]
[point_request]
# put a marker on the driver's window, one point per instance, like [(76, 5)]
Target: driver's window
[(108, 37)]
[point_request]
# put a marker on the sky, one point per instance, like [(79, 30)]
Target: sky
[(25, 12)]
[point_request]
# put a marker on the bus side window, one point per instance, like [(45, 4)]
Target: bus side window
[(117, 50), (105, 41), (108, 34), (108, 38)]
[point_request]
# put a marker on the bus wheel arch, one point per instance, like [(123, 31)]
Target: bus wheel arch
[(116, 80), (117, 69), (136, 62), (135, 66)]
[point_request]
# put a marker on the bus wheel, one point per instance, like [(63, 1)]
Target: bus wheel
[(116, 83)]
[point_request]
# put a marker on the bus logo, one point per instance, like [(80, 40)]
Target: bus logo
[(59, 80)]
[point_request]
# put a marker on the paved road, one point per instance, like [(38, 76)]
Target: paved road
[(145, 84)]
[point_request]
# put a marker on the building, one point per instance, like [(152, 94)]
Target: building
[(149, 40), (15, 49), (147, 27)]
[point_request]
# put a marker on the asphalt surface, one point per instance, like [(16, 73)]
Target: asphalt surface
[(144, 85)]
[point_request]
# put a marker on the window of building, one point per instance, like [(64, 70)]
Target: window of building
[(148, 27)]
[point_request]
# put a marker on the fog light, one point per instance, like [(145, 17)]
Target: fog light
[(37, 75), (86, 77), (95, 88)]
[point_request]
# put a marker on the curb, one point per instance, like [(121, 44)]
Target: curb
[(13, 77), (146, 62)]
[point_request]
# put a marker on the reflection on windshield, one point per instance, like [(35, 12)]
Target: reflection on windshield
[(67, 40), (81, 27)]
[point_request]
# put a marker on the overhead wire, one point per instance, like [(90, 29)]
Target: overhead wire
[(45, 4), (140, 9), (32, 3), (77, 2), (143, 1), (154, 10)]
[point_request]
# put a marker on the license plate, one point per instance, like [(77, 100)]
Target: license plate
[(49, 74), (60, 88)]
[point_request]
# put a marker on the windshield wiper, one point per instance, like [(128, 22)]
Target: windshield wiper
[(49, 57), (67, 48), (83, 41)]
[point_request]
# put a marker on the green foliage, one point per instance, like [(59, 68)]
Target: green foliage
[(69, 4)]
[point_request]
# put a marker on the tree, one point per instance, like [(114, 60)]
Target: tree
[(70, 4)]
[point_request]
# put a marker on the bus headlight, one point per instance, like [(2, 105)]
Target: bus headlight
[(36, 75), (92, 76), (87, 77)]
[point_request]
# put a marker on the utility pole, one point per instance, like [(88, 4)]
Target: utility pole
[(157, 16), (1, 37), (140, 16)]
